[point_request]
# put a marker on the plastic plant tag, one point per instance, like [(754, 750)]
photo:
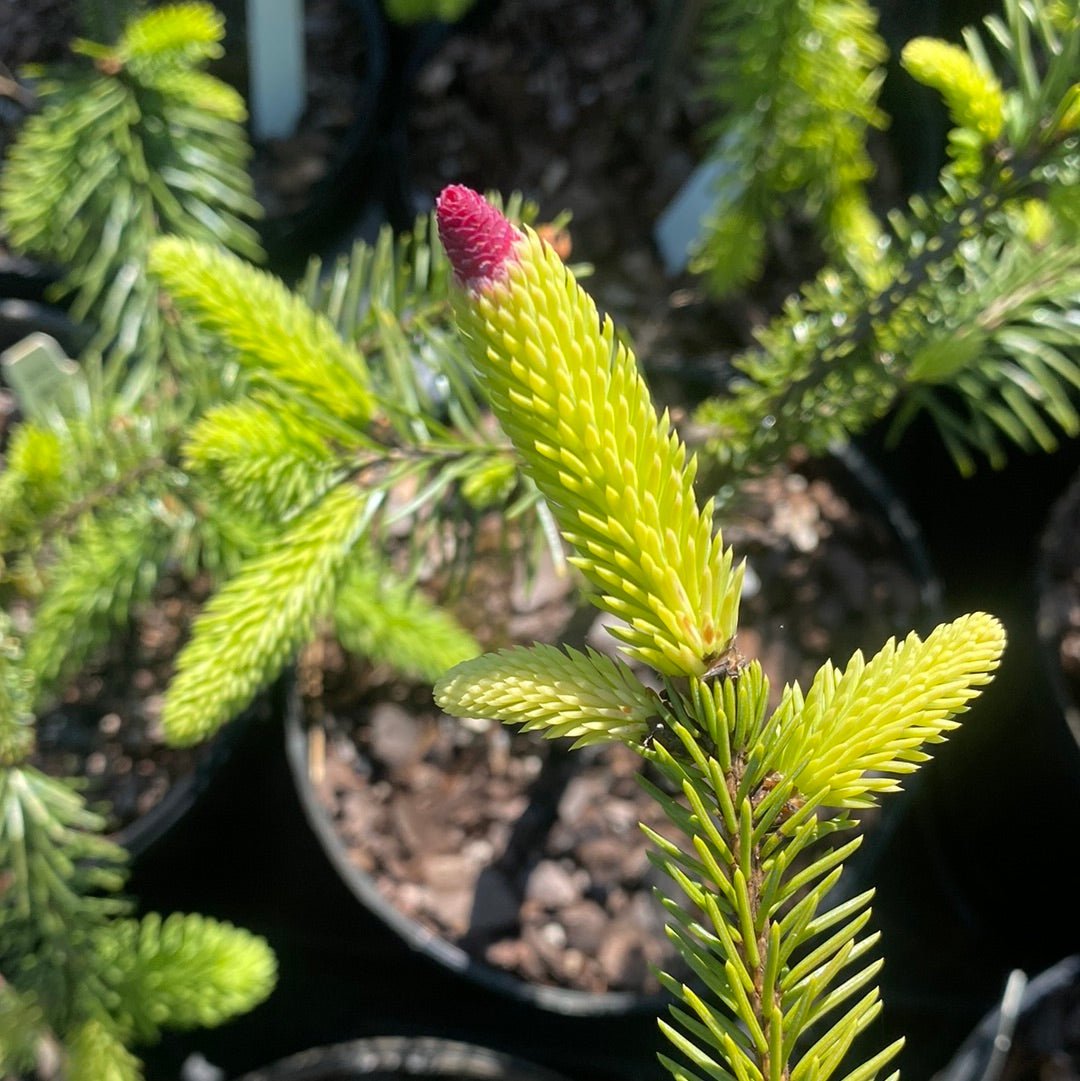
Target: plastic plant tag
[(680, 224), (45, 380), (715, 182)]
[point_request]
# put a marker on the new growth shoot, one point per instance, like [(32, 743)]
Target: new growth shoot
[(782, 983)]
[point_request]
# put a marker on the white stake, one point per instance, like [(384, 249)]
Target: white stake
[(275, 32)]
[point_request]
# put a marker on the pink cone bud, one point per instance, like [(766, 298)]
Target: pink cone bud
[(478, 240)]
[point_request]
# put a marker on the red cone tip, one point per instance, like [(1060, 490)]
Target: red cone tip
[(478, 240)]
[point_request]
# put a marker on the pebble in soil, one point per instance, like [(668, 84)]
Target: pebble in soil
[(106, 727)]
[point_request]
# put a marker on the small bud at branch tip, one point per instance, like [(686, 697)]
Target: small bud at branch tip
[(478, 240)]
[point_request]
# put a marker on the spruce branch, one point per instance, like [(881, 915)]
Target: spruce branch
[(133, 141), (617, 479), (110, 565), (860, 728), (59, 859), (96, 1053), (848, 350), (794, 88), (32, 484), (16, 690), (263, 455), (181, 972), (58, 472), (318, 419), (826, 367), (586, 697), (970, 88), (271, 332), (383, 618), (783, 983), (1005, 350), (23, 1033), (175, 36), (238, 646), (77, 975)]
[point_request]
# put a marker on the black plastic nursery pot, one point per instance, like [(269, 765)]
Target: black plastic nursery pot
[(398, 1058), (152, 830), (892, 550), (1033, 1034), (495, 902), (1058, 584), (146, 789), (409, 47), (968, 884)]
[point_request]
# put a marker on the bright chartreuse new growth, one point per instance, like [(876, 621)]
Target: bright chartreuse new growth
[(783, 983)]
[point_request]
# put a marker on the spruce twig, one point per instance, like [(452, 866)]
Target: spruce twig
[(782, 983), (841, 356)]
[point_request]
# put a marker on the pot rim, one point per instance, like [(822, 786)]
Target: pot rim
[(560, 1000), (147, 831), (408, 1056)]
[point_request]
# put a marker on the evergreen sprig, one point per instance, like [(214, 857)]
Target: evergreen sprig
[(964, 318), (276, 338), (180, 972), (616, 478), (380, 616), (587, 697), (96, 1053), (21, 1027), (794, 88), (356, 396), (132, 141), (108, 567), (782, 982), (239, 644), (76, 971)]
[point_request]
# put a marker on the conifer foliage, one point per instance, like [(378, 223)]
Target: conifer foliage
[(360, 451), (782, 982), (969, 315), (80, 977), (793, 85), (132, 141)]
